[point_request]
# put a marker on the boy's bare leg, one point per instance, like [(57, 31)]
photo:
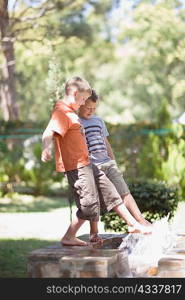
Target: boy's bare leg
[(94, 237), (131, 205), (133, 225), (70, 239)]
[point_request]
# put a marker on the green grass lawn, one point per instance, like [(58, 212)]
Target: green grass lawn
[(13, 256), (13, 252)]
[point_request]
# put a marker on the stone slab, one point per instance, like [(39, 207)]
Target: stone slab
[(57, 261)]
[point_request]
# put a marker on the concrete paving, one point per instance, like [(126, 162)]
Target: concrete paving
[(52, 225), (40, 225)]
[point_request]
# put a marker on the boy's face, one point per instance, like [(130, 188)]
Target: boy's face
[(87, 110), (80, 98)]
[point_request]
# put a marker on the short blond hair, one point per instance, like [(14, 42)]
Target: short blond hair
[(81, 84)]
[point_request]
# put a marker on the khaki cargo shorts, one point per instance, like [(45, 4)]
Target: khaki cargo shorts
[(85, 192), (111, 170), (93, 192)]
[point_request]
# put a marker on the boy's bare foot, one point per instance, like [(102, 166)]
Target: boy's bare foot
[(73, 242), (138, 228), (144, 222), (94, 237)]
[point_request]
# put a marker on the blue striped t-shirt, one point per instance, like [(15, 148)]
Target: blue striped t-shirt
[(95, 132)]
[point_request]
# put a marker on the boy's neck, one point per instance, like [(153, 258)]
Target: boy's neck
[(69, 100), (85, 118)]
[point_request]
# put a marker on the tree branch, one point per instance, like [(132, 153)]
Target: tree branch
[(31, 26), (29, 40), (41, 13)]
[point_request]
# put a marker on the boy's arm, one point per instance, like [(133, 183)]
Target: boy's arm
[(109, 149), (60, 124), (47, 143)]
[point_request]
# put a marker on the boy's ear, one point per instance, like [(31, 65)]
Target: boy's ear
[(74, 91)]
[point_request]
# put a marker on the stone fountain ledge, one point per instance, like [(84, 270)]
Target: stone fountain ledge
[(76, 261), (57, 261), (172, 264)]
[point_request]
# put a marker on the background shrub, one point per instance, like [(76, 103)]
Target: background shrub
[(154, 199)]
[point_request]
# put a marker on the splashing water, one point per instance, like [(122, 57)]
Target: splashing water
[(141, 252)]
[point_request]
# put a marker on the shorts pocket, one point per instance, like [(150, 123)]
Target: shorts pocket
[(87, 195)]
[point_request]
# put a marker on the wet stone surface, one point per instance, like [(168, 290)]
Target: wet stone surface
[(76, 261), (57, 261), (173, 263)]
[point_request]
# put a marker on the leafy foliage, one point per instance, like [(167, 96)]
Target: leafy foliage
[(56, 80), (164, 158), (155, 200), (142, 150), (131, 52), (22, 169)]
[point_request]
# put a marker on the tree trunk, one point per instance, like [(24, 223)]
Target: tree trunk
[(8, 89)]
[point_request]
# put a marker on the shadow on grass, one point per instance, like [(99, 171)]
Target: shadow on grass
[(13, 255), (29, 203)]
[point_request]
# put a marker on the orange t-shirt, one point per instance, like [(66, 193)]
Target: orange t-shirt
[(71, 150)]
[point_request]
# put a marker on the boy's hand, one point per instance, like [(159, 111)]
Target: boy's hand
[(46, 155)]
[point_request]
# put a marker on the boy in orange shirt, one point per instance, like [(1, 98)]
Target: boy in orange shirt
[(71, 156), (71, 153)]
